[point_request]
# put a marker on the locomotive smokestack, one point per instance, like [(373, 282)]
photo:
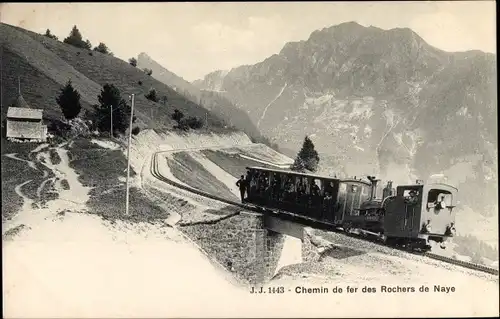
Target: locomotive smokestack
[(374, 182)]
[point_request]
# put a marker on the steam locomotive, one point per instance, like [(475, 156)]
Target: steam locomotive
[(409, 215)]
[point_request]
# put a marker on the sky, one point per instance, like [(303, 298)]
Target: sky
[(194, 39)]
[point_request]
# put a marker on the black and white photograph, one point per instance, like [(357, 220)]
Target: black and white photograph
[(249, 159)]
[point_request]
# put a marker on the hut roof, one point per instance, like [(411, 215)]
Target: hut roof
[(24, 113), (21, 102), (21, 110)]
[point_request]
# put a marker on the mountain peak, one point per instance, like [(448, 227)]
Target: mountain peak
[(350, 24)]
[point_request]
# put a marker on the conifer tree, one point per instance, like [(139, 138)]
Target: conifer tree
[(152, 95), (87, 45), (103, 48), (48, 34), (69, 101), (110, 98), (307, 158), (75, 39)]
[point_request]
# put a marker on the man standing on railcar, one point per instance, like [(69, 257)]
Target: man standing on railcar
[(242, 184)]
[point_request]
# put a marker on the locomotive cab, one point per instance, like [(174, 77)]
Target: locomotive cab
[(418, 214), (438, 214)]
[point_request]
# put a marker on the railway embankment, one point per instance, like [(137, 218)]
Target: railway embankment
[(233, 239)]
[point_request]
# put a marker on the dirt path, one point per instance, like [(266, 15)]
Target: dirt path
[(30, 163), (77, 192), (27, 202), (73, 198), (40, 147)]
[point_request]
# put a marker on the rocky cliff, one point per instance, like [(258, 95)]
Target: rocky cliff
[(378, 102)]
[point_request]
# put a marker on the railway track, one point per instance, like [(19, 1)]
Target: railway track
[(465, 264), (155, 172)]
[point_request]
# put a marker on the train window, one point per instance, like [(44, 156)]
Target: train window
[(436, 194), (411, 196), (283, 179), (263, 181), (301, 185), (410, 193), (328, 187), (307, 184), (364, 190), (437, 198), (290, 184), (316, 187)]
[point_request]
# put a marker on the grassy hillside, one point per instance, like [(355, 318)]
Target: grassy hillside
[(103, 170), (44, 65)]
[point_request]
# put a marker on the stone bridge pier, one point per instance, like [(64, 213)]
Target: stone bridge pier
[(253, 246), (277, 243)]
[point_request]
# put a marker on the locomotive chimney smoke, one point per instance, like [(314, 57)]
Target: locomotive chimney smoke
[(374, 182)]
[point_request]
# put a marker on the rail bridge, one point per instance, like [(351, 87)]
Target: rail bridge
[(267, 235)]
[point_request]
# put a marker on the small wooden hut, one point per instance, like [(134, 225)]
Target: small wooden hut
[(24, 122)]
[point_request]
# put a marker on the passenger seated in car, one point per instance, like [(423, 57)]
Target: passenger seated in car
[(253, 184), (315, 189), (263, 184), (301, 191), (327, 198), (315, 192), (440, 204), (288, 189), (268, 188)]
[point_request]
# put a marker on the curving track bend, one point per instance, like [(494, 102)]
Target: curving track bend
[(156, 173)]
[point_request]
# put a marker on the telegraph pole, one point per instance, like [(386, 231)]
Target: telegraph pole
[(1, 77), (128, 152), (111, 121)]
